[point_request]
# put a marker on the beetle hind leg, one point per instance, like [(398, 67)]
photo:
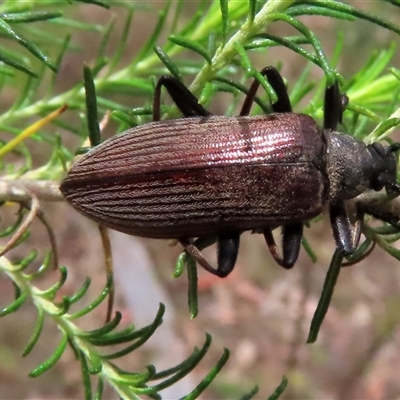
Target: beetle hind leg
[(228, 247)]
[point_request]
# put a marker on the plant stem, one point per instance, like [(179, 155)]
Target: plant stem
[(224, 54)]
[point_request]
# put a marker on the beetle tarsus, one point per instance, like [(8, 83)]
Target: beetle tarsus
[(228, 247), (363, 257), (387, 217), (193, 251)]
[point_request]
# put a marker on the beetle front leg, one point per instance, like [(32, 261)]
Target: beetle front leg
[(346, 227), (387, 217), (346, 224), (291, 242), (182, 97)]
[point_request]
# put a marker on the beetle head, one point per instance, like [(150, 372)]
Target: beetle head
[(384, 174)]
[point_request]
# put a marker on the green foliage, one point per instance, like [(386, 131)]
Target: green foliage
[(213, 49)]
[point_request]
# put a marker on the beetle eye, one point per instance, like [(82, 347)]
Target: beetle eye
[(379, 182), (380, 150)]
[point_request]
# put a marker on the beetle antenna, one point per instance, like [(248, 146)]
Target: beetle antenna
[(393, 188), (393, 148)]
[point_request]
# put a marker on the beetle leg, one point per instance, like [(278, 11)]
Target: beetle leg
[(292, 234), (194, 251), (388, 217), (291, 242), (228, 247), (346, 227), (334, 105), (182, 97), (276, 81), (363, 257)]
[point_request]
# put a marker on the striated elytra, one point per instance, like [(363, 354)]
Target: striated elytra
[(206, 176)]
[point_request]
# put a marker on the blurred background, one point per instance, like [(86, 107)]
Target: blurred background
[(261, 312)]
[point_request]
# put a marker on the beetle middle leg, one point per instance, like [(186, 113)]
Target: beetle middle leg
[(291, 233), (228, 243), (291, 242), (182, 97), (275, 80)]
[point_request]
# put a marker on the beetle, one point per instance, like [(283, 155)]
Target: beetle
[(206, 178)]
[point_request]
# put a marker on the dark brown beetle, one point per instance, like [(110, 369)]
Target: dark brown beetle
[(213, 177)]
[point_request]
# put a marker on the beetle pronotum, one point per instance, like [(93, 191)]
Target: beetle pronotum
[(206, 176)]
